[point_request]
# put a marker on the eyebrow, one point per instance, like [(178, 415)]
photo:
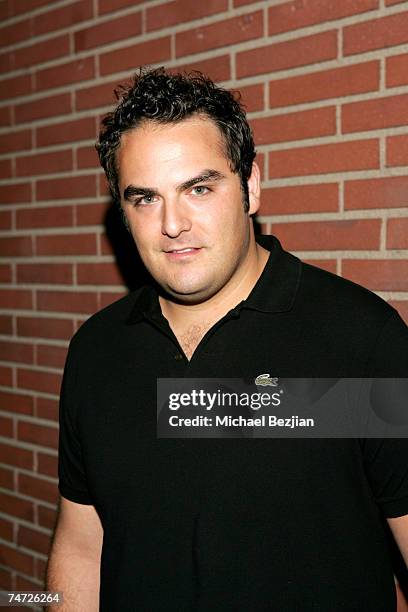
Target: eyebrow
[(206, 175)]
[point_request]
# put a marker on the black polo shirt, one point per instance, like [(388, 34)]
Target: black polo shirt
[(235, 524)]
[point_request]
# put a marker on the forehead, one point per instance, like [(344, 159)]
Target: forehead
[(154, 143)]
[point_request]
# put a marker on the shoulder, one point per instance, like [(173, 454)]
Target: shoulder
[(107, 323), (329, 293)]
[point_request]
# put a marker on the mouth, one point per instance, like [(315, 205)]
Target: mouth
[(182, 253)]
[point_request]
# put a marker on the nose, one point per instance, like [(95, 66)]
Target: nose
[(175, 219)]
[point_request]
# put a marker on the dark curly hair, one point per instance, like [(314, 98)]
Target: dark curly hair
[(163, 97)]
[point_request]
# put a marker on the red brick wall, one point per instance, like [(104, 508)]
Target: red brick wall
[(326, 85)]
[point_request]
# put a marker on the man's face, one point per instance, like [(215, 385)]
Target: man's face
[(184, 206)]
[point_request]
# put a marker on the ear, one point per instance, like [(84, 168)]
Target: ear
[(254, 189)]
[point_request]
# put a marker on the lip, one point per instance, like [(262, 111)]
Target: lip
[(182, 253)]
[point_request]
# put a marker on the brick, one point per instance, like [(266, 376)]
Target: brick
[(295, 126), (37, 434), (17, 507), (217, 67), (4, 10), (24, 6), (5, 62), (87, 157), (375, 34), (6, 582), (5, 219), (49, 106), (44, 163), (62, 17), (52, 356), (103, 185), (16, 559), (83, 186), (390, 192), (323, 159), (252, 97), (33, 539), (288, 54), (23, 584), (95, 96), (17, 246), (55, 216), (67, 244), (16, 402), (294, 15), (180, 11), (6, 530), (5, 116), (67, 301), (37, 487), (108, 32), (45, 327), (15, 141), (15, 86), (6, 376), (5, 169), (68, 131), (64, 74), (15, 33), (378, 274), (20, 352), (47, 408), (39, 380), (397, 233), (6, 427), (375, 114), (47, 517), (44, 51), (402, 307), (107, 6), (40, 568), (396, 70), (325, 84), (300, 199), (326, 264), (18, 457), (149, 52), (45, 273), (397, 150), (48, 464), (5, 273), (98, 274), (355, 234), (6, 481), (220, 34), (15, 193), (6, 327)]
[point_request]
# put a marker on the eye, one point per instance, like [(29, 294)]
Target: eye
[(200, 190), (144, 201)]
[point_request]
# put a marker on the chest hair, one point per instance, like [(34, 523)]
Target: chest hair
[(190, 337)]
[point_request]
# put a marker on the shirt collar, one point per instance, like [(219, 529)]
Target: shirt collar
[(275, 290)]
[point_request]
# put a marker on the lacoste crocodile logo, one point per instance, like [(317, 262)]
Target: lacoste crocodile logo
[(265, 380)]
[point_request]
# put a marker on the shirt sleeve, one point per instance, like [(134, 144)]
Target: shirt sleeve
[(386, 460), (72, 478)]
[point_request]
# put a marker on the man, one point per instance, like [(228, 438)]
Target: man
[(204, 524)]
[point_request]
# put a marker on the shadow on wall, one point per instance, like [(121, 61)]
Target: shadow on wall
[(130, 265)]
